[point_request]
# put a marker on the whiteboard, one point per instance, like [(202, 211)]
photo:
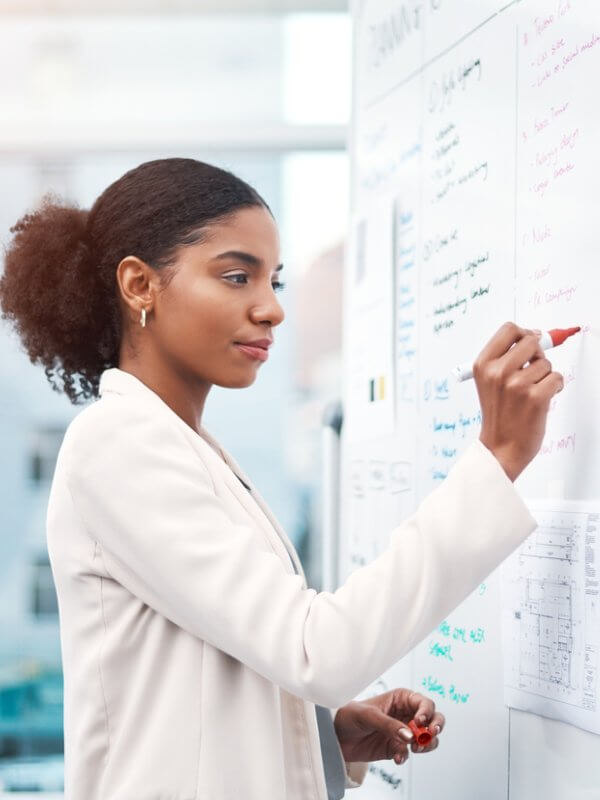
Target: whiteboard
[(475, 163)]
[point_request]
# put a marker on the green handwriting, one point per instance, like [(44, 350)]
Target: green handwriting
[(440, 651), (432, 685), (458, 634)]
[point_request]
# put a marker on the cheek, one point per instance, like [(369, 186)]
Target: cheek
[(200, 312)]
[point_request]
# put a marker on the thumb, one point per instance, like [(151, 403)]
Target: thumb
[(388, 726)]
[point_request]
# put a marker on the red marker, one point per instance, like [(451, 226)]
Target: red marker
[(423, 736), (547, 340)]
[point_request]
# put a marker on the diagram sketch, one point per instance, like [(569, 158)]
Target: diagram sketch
[(551, 616), (378, 502)]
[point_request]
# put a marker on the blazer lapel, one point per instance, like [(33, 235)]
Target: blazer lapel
[(122, 382), (253, 502)]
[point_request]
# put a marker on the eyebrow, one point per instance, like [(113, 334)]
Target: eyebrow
[(247, 258)]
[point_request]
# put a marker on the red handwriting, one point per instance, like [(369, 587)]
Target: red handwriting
[(562, 8), (549, 159), (543, 55), (550, 156), (568, 58), (537, 235), (564, 293), (542, 159), (592, 43), (569, 139), (578, 50), (562, 170), (541, 24), (539, 274), (564, 444), (547, 67), (553, 296), (541, 79), (568, 377), (539, 125)]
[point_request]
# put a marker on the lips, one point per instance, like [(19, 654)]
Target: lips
[(264, 343), (252, 351)]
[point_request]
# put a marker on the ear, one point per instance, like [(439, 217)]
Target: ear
[(137, 284)]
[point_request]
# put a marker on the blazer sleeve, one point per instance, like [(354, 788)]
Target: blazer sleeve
[(146, 497), (356, 771)]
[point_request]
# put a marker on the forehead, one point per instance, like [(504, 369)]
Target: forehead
[(251, 229)]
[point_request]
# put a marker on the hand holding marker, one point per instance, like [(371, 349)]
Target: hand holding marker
[(547, 340)]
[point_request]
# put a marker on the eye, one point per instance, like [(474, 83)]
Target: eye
[(241, 279), (234, 278)]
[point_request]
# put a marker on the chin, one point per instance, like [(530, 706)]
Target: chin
[(240, 382)]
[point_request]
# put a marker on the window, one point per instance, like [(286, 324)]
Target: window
[(43, 594), (264, 95), (44, 447)]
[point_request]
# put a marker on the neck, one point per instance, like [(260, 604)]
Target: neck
[(184, 395)]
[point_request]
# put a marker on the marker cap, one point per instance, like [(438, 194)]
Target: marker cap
[(423, 736), (558, 335)]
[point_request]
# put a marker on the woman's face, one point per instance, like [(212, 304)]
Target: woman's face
[(221, 297)]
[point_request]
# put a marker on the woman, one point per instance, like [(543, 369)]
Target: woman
[(197, 663)]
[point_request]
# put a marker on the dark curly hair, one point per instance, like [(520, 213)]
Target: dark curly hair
[(59, 286)]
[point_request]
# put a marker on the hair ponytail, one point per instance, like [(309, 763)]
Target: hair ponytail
[(51, 293)]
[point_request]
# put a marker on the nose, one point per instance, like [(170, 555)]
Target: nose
[(268, 310)]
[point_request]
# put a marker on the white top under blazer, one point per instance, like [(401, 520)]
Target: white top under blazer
[(193, 654)]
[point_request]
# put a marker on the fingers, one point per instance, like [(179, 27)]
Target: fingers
[(401, 754), (515, 390), (438, 721), (500, 369), (545, 389), (502, 341), (425, 715), (527, 349), (423, 708), (433, 745), (383, 723), (539, 376), (436, 726), (537, 369)]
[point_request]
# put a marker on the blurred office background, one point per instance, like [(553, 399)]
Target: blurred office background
[(89, 89)]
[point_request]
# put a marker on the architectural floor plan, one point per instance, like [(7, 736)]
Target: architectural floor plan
[(551, 616)]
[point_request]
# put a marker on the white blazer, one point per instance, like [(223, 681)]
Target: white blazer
[(192, 653)]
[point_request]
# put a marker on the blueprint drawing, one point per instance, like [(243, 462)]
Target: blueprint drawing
[(551, 616)]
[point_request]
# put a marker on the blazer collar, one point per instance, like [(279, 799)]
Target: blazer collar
[(118, 381), (122, 382)]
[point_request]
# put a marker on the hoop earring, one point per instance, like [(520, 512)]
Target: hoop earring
[(143, 318)]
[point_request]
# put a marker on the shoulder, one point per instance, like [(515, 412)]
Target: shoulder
[(108, 420), (120, 430)]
